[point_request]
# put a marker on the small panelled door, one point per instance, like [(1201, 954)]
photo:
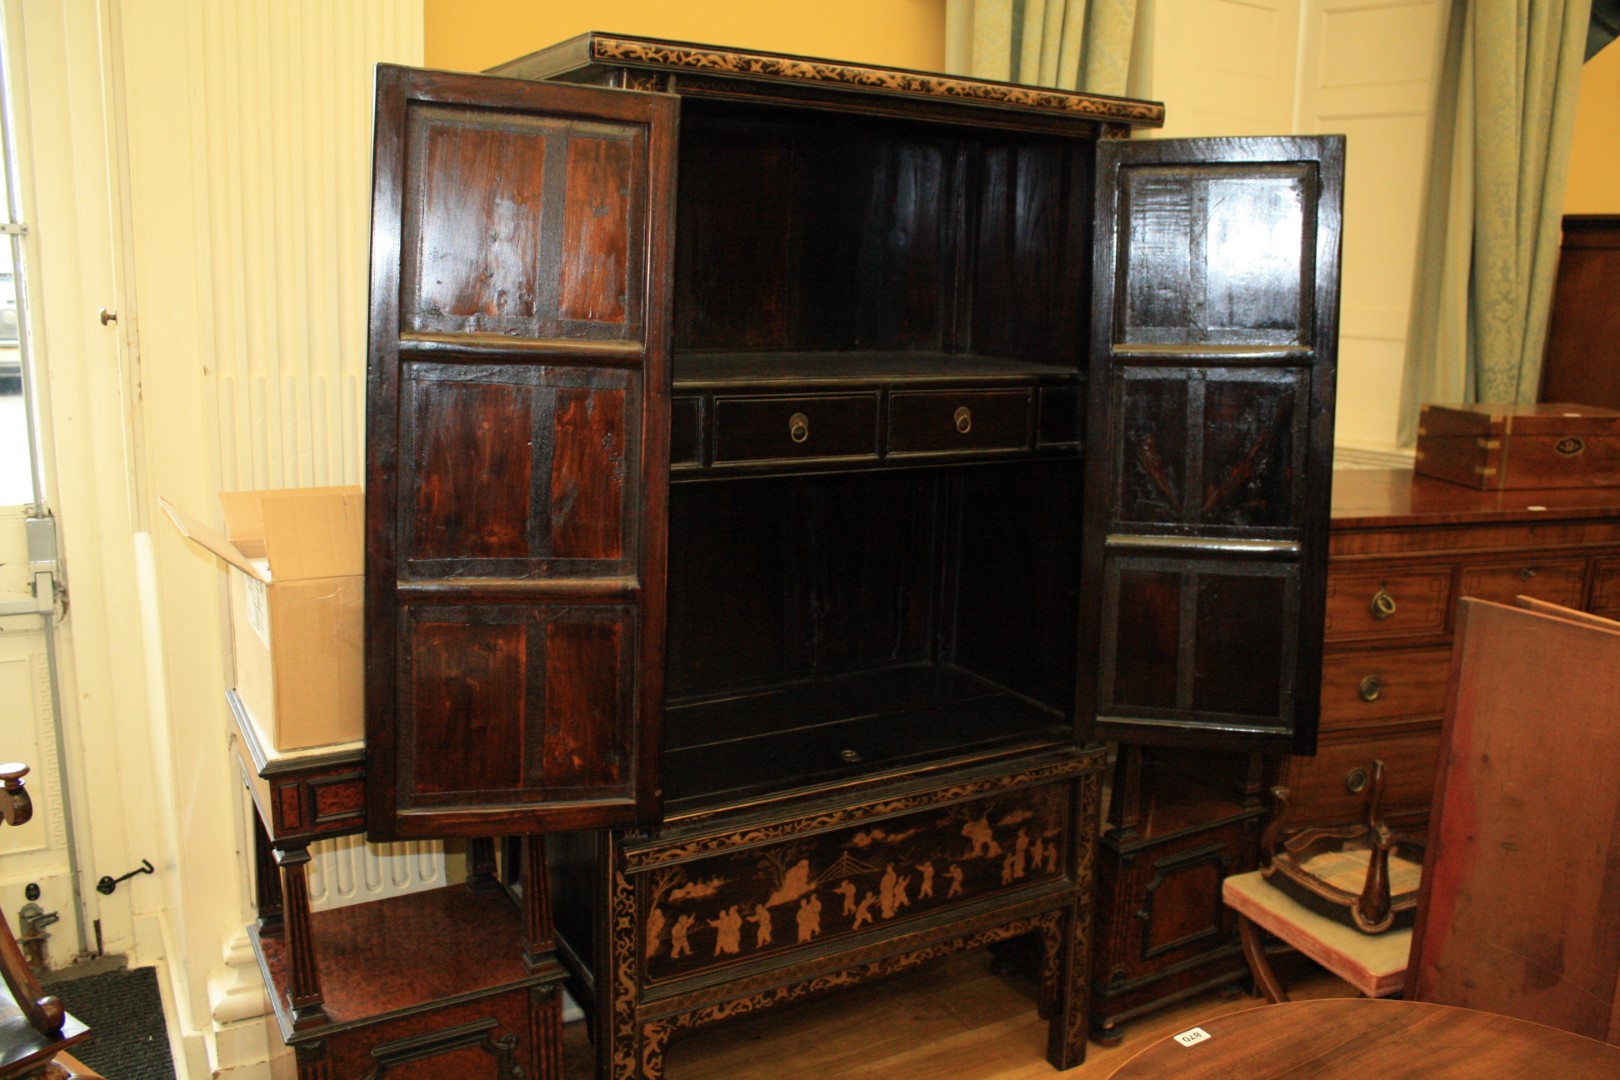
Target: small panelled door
[(1214, 332), (517, 455)]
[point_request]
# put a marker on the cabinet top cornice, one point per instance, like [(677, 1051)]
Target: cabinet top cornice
[(603, 50)]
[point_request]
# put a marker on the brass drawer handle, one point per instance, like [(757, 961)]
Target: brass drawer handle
[(798, 427), (1355, 781), (1527, 573), (964, 420), (1370, 688), (1383, 604)]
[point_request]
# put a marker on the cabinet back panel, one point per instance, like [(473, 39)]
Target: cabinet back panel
[(799, 577), (828, 232), (1017, 591)]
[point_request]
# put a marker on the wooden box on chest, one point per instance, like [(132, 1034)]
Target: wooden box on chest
[(796, 470), (1405, 548)]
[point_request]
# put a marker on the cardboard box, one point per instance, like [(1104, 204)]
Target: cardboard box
[(1499, 446), (296, 564)]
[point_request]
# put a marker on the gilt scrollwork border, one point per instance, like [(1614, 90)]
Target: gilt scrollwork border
[(678, 851), (768, 66)]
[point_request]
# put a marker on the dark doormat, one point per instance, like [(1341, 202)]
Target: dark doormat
[(125, 1015)]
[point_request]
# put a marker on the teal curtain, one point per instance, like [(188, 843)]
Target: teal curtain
[(1488, 251), (1065, 44)]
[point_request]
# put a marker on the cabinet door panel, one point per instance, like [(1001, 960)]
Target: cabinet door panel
[(1213, 344), (517, 455)]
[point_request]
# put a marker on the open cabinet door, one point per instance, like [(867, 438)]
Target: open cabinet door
[(516, 455), (1214, 332)]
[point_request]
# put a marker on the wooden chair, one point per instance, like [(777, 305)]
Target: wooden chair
[(35, 1030)]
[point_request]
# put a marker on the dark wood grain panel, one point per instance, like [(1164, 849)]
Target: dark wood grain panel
[(1244, 645), (476, 257), (597, 248), (468, 682), (1205, 642), (1218, 253), (1148, 615), (1254, 444), (470, 470), (1151, 481), (737, 232), (583, 742), (588, 474)]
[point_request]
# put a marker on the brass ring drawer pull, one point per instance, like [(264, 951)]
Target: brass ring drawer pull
[(1383, 604), (964, 420), (1355, 781), (1370, 688), (798, 427)]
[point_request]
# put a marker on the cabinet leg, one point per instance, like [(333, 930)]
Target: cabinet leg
[(304, 996), (1071, 1000), (266, 881)]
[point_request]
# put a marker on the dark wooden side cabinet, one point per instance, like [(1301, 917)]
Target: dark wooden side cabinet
[(439, 983), (782, 474)]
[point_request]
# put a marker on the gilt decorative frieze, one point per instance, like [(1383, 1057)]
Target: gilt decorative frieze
[(749, 902), (767, 66), (766, 833)]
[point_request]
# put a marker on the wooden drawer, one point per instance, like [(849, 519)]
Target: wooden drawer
[(1558, 581), (953, 422), (1606, 588), (1321, 787), (795, 427), (1404, 602), (1381, 686)]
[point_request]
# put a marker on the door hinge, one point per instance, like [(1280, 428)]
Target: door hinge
[(13, 228)]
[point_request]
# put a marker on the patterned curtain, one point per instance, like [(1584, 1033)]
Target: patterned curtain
[(1488, 252), (1067, 44)]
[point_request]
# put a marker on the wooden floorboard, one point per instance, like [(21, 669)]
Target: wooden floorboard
[(955, 1019)]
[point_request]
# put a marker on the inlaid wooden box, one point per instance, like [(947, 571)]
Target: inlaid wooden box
[(1496, 446)]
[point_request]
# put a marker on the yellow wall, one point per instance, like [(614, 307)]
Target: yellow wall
[(1594, 166), (900, 33)]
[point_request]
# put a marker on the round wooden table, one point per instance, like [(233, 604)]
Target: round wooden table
[(1365, 1037)]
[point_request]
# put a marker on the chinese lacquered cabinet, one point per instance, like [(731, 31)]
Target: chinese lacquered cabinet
[(792, 468)]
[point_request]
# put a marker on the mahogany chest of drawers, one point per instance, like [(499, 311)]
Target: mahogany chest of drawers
[(1403, 549)]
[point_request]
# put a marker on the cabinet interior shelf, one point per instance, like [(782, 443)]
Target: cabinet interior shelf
[(813, 731)]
